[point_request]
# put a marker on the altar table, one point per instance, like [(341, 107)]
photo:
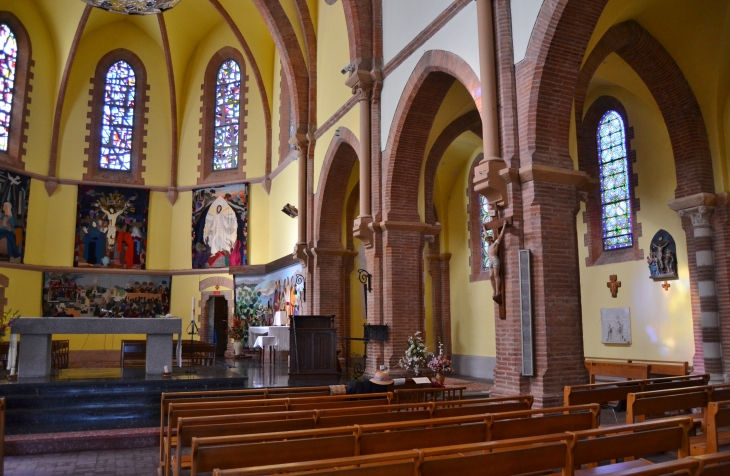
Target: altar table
[(281, 332), (35, 353)]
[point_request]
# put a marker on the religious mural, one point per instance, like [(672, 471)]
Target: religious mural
[(220, 227), (105, 295), (14, 194), (262, 296), (111, 227), (662, 259)]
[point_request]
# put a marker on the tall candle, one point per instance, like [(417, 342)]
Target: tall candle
[(192, 314)]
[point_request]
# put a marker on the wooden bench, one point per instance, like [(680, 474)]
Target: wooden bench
[(133, 353), (201, 353), (503, 458), (356, 440), (718, 417), (633, 368), (717, 464), (177, 410), (427, 394), (590, 447), (655, 403), (228, 425), (220, 395), (617, 391)]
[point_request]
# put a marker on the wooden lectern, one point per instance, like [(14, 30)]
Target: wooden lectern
[(313, 344)]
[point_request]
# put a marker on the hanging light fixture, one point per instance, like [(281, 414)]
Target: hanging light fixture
[(134, 7)]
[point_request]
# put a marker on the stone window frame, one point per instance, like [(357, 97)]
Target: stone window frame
[(210, 81), (17, 139), (94, 172), (588, 161), (475, 229)]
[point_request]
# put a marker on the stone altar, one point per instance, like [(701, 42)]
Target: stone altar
[(35, 353)]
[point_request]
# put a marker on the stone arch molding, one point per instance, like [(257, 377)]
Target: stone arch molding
[(341, 156), (672, 92), (422, 96)]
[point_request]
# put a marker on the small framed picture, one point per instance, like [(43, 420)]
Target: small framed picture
[(616, 325)]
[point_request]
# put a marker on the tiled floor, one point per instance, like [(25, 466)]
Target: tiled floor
[(143, 462)]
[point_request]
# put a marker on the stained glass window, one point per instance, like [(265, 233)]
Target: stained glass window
[(615, 193), (484, 217), (8, 57), (118, 121), (227, 113)]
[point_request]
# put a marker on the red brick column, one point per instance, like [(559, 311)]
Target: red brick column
[(332, 293), (438, 269), (721, 246)]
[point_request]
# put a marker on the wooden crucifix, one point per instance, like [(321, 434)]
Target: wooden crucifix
[(613, 285), (495, 274)]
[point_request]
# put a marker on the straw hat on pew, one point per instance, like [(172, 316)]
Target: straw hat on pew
[(382, 377)]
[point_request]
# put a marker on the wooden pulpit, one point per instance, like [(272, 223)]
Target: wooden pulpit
[(313, 342)]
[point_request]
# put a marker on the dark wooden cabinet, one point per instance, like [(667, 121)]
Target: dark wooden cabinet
[(313, 347)]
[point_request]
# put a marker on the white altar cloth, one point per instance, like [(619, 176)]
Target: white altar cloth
[(281, 332)]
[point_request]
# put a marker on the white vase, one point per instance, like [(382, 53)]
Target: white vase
[(237, 347)]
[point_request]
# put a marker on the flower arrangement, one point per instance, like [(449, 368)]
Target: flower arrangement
[(415, 357), (7, 320), (238, 330), (439, 363)]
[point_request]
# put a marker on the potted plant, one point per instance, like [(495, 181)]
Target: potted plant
[(238, 332), (440, 365), (415, 356)]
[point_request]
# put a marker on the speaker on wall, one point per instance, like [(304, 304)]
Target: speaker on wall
[(528, 354)]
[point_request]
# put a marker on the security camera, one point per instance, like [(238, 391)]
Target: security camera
[(290, 210), (348, 68)]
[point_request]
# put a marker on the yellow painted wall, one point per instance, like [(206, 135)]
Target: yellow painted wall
[(661, 321)]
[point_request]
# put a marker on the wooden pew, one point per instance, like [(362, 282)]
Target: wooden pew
[(133, 354), (220, 395), (659, 402), (716, 464), (416, 395), (2, 435), (227, 425), (615, 391), (590, 447), (178, 410), (718, 416), (631, 367), (356, 440), (503, 458)]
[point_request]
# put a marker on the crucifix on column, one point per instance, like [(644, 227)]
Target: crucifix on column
[(497, 228)]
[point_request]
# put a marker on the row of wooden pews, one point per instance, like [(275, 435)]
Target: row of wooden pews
[(297, 431)]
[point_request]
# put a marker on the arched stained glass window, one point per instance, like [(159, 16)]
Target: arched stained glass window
[(484, 217), (8, 59), (614, 174), (117, 123), (227, 116)]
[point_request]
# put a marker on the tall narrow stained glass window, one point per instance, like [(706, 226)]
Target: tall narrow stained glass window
[(227, 114), (117, 123), (484, 217), (8, 58), (614, 173)]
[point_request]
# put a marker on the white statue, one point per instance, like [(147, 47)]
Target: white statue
[(221, 227)]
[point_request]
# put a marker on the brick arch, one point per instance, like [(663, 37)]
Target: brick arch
[(359, 19), (672, 92), (471, 121), (216, 281), (333, 180), (549, 74), (292, 58), (432, 78)]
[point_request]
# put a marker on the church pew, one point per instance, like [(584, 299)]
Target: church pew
[(715, 464), (617, 369), (590, 447), (2, 435), (237, 407), (616, 391), (718, 416), (659, 402), (613, 367), (243, 394), (250, 450), (502, 458), (226, 425), (415, 395)]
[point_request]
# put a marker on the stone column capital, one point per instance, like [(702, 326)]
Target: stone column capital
[(700, 216)]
